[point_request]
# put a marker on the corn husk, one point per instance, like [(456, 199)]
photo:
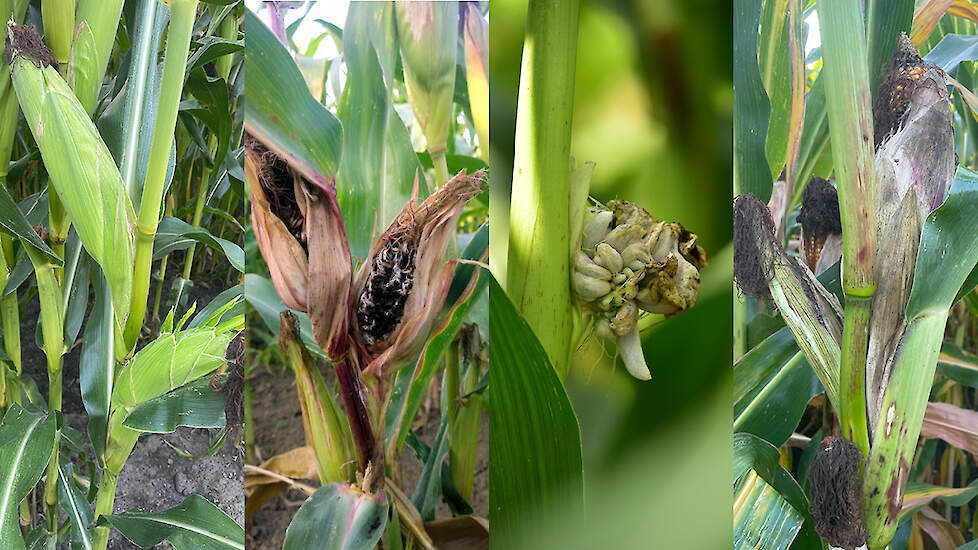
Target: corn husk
[(914, 170), (428, 34), (80, 168)]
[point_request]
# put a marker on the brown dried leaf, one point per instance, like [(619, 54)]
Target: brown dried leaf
[(956, 426), (461, 533), (944, 534)]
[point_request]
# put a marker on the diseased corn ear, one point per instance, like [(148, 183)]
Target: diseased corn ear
[(80, 168), (915, 164), (835, 502), (405, 271), (285, 255), (765, 271), (821, 225)]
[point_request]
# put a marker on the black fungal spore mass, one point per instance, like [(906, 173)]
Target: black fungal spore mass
[(381, 304), (835, 493)]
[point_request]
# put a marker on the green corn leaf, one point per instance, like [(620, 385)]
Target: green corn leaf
[(83, 173), (74, 504), (194, 524), (14, 223), (773, 384), (213, 110), (763, 519), (958, 365), (195, 405), (26, 442), (428, 491), (172, 360), (752, 173), (376, 177), (533, 423), (175, 234), (428, 33), (952, 50), (281, 111), (753, 454), (96, 365), (219, 301), (210, 48), (355, 520)]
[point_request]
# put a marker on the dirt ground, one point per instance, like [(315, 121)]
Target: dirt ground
[(155, 477), (278, 428)]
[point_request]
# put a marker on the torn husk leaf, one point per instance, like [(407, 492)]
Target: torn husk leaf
[(629, 262), (402, 284), (764, 271)]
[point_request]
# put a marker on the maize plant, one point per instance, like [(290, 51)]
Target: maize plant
[(857, 271), (368, 215), (100, 185)]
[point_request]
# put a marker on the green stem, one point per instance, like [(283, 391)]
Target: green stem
[(848, 102), (441, 167), (540, 212), (182, 13), (852, 381), (104, 502), (202, 190), (52, 330)]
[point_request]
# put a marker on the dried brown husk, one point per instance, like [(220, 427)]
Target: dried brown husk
[(307, 253), (423, 231)]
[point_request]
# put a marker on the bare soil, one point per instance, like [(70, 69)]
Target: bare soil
[(155, 477)]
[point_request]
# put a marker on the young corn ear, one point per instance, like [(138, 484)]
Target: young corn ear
[(764, 271), (428, 34), (80, 168), (401, 286)]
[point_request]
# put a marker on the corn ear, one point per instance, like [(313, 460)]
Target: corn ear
[(81, 171), (477, 72), (428, 33)]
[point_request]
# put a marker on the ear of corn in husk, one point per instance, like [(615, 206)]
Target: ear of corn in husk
[(299, 229), (914, 170), (401, 287), (915, 165), (627, 263), (764, 271), (80, 168), (428, 35)]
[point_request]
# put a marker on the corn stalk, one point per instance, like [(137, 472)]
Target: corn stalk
[(539, 223)]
